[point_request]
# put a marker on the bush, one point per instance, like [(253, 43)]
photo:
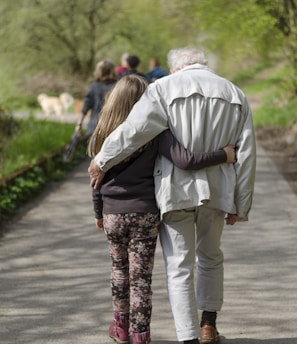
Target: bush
[(32, 140), (8, 127), (32, 157)]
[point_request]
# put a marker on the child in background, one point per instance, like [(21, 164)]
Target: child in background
[(125, 207)]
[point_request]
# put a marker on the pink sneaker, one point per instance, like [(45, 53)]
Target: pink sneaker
[(141, 338), (119, 332)]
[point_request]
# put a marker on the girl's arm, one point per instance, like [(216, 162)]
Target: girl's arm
[(97, 203), (187, 160)]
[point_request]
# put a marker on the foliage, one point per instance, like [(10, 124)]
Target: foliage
[(150, 29), (268, 115), (59, 35), (8, 127), (35, 138), (10, 95), (275, 106), (285, 14), (36, 164), (20, 189), (64, 39), (239, 33), (53, 46), (70, 36), (243, 32), (12, 195)]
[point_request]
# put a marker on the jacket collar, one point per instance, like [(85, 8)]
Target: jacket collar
[(196, 66)]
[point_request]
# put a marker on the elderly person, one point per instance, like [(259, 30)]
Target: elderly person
[(204, 111)]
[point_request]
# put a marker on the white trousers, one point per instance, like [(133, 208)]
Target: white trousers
[(190, 240)]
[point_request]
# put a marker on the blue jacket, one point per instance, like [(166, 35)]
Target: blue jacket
[(156, 73)]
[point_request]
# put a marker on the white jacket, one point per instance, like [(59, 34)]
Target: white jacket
[(205, 112)]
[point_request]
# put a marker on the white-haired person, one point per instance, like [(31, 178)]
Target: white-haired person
[(204, 111)]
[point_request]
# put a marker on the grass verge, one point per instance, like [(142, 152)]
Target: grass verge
[(274, 104), (31, 156)]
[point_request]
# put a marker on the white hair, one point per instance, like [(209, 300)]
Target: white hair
[(180, 58)]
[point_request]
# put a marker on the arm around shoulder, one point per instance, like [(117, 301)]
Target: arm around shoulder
[(183, 158)]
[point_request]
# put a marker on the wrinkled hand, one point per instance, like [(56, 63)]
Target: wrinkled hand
[(230, 151), (231, 219), (96, 175), (99, 224)]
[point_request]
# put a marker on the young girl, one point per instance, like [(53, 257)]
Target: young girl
[(126, 202)]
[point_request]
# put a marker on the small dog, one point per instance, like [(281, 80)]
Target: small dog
[(55, 105)]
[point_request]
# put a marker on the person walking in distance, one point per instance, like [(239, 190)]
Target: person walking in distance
[(105, 78), (155, 70), (123, 67), (133, 62), (204, 111)]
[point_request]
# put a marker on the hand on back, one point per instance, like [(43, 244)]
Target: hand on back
[(231, 156)]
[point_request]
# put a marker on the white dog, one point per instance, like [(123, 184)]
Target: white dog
[(55, 105)]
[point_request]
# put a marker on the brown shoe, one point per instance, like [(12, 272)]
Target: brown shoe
[(208, 335)]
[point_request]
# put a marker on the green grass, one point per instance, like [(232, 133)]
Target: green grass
[(275, 104), (34, 139), (262, 85), (249, 73), (268, 115), (22, 143)]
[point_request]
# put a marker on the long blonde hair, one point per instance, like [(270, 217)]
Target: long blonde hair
[(116, 109)]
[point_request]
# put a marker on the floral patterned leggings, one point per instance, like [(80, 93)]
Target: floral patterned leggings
[(132, 242)]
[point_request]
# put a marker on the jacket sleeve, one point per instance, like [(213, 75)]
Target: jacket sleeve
[(170, 147), (147, 119), (245, 166), (97, 203)]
